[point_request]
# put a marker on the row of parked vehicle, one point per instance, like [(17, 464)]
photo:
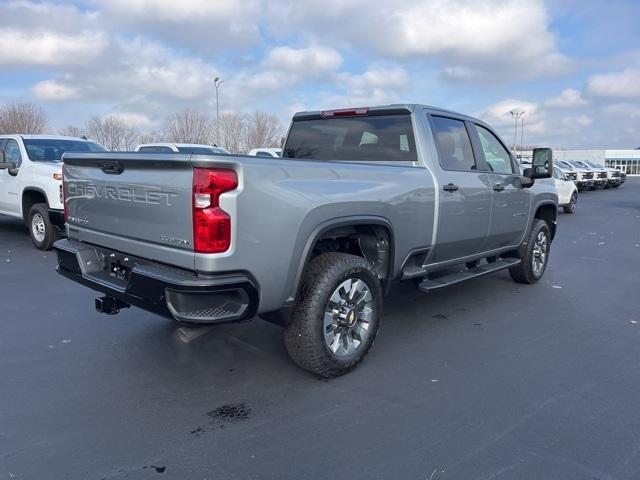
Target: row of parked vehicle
[(589, 175)]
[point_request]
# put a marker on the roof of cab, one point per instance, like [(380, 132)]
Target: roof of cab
[(396, 108), (47, 137)]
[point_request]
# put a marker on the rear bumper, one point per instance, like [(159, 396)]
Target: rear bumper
[(184, 295)]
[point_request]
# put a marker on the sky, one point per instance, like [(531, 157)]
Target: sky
[(573, 66)]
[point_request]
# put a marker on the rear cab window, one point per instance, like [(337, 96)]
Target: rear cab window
[(374, 138), (155, 149)]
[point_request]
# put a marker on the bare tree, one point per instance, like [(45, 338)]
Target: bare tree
[(264, 130), (152, 137), (189, 126), (72, 131), (22, 117), (113, 132), (233, 128)]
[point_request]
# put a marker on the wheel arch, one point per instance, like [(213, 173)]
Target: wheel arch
[(31, 196), (549, 213), (366, 230)]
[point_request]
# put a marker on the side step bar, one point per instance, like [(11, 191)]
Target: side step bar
[(500, 264)]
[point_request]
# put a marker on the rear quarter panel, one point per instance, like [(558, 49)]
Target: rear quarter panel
[(281, 203)]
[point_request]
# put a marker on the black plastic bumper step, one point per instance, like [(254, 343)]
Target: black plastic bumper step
[(433, 284)]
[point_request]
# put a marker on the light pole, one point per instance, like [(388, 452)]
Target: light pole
[(516, 115), (522, 134), (217, 82)]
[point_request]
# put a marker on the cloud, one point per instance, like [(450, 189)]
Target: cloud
[(200, 25), (45, 48), (55, 91), (569, 98), (577, 121), (624, 84), (303, 61), (493, 39), (375, 86)]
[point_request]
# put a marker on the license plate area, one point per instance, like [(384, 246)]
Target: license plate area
[(118, 270)]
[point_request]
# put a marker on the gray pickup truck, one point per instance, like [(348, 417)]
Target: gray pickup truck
[(361, 198)]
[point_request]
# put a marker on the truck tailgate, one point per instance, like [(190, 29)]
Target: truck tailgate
[(136, 203)]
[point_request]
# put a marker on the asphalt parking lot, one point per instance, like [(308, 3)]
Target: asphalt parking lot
[(484, 380)]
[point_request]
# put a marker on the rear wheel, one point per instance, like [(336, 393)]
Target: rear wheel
[(534, 261), (571, 206), (41, 230), (338, 315)]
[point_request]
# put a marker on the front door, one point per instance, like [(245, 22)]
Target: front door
[(9, 188), (511, 202), (465, 192)]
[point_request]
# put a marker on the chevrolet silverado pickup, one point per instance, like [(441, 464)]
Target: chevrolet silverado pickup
[(360, 198), (31, 181)]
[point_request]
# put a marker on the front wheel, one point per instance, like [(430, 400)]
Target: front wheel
[(41, 230), (337, 318), (571, 206), (534, 261)]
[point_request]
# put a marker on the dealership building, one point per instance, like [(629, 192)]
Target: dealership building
[(627, 161)]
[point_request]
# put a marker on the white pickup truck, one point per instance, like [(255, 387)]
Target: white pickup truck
[(31, 181)]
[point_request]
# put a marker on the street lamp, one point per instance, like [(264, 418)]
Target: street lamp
[(217, 82), (522, 134), (516, 115)]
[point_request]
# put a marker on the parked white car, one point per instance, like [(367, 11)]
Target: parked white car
[(567, 190), (193, 148), (265, 152), (31, 181)]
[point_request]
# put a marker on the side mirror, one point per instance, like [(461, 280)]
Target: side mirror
[(541, 165)]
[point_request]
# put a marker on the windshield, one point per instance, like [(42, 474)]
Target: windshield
[(200, 150), (562, 164), (594, 165), (375, 138), (579, 164), (51, 150)]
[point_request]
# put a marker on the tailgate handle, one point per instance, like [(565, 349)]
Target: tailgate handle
[(113, 168)]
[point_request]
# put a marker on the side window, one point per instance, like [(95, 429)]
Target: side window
[(12, 152), (495, 154), (454, 145)]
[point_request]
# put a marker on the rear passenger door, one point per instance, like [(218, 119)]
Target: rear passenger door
[(465, 191), (511, 202)]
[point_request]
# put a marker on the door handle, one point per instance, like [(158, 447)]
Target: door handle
[(498, 187), (450, 187)]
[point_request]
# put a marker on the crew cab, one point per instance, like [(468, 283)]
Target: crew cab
[(360, 198), (31, 181)]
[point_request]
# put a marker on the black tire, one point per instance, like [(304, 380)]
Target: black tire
[(571, 206), (524, 272), (616, 185), (38, 221), (304, 337)]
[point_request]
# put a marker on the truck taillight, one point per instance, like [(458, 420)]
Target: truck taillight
[(211, 224)]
